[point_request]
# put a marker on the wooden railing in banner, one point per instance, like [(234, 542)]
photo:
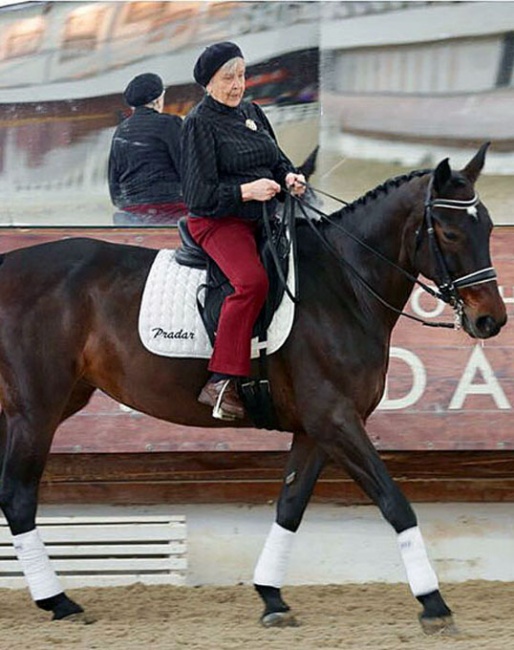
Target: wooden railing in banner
[(444, 427)]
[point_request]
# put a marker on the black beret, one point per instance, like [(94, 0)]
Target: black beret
[(143, 89), (211, 60)]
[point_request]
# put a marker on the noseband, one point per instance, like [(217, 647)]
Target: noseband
[(447, 286)]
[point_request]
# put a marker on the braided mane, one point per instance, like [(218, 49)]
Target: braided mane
[(384, 188)]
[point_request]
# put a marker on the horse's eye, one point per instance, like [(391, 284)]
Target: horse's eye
[(450, 236)]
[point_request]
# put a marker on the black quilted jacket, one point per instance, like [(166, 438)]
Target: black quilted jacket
[(144, 161), (223, 147)]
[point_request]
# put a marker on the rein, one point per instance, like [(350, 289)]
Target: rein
[(447, 289), (289, 224)]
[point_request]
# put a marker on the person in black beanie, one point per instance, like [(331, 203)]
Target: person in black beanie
[(231, 165), (144, 160)]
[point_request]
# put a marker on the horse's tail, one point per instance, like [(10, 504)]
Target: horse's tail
[(2, 258)]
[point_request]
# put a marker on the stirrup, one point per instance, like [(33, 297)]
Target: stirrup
[(217, 411)]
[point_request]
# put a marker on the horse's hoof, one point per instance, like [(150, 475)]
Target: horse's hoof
[(442, 625), (279, 619), (80, 618)]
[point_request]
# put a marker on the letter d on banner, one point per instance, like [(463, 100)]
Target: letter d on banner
[(419, 381)]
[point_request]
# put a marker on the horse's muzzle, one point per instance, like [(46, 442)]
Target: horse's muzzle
[(484, 311), (485, 327)]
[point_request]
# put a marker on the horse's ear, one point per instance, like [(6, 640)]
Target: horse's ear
[(442, 174), (472, 170), (308, 167)]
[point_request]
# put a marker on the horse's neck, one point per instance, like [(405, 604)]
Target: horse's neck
[(379, 225), (377, 230)]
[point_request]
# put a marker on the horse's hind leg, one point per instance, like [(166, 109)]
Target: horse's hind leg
[(305, 462), (26, 436)]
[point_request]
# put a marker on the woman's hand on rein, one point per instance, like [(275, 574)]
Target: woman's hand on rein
[(262, 189), (295, 183)]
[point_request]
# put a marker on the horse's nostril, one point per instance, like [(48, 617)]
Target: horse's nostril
[(487, 326)]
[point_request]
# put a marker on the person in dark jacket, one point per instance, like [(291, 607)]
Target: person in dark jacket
[(144, 160), (231, 165)]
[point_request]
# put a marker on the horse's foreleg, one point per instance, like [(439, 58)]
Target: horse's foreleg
[(304, 465), (24, 457), (354, 451)]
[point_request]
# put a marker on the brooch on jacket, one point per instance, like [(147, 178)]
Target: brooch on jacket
[(250, 124)]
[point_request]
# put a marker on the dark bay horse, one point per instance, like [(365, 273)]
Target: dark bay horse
[(68, 325)]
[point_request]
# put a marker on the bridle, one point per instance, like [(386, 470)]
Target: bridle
[(447, 287)]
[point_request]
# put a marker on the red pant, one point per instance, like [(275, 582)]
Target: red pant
[(231, 244)]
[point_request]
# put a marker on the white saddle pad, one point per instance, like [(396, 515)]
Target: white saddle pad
[(169, 322)]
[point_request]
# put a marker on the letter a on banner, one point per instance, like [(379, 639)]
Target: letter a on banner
[(490, 386)]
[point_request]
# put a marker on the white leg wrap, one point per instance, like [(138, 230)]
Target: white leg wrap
[(274, 559), (422, 578), (41, 578)]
